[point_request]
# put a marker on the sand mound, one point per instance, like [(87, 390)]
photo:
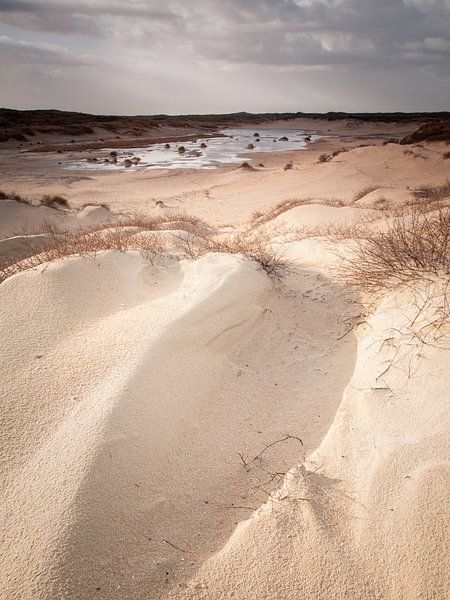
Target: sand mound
[(16, 217), (129, 391), (314, 215), (369, 509), (101, 410)]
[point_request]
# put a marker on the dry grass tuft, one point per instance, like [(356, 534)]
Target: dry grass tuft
[(433, 193), (364, 192), (260, 218), (247, 166), (253, 245), (116, 234), (64, 243), (413, 247), (167, 221), (16, 197), (338, 151), (53, 201)]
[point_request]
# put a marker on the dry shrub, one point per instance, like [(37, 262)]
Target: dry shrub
[(364, 192), (109, 235), (166, 221), (433, 193), (338, 151), (342, 232), (52, 201), (324, 158), (16, 197), (412, 248), (446, 155), (64, 243), (253, 245), (247, 166), (47, 200), (260, 218)]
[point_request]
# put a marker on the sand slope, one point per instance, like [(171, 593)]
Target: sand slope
[(366, 516), (128, 392), (136, 400), (100, 423)]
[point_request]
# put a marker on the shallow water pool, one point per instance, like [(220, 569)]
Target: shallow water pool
[(228, 149)]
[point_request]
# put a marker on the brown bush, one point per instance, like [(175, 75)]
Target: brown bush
[(52, 201), (16, 197), (338, 151), (413, 247), (364, 192), (260, 218), (247, 166), (64, 243), (253, 245), (433, 193)]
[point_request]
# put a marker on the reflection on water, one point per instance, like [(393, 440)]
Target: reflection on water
[(207, 153)]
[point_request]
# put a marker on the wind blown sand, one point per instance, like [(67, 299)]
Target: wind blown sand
[(193, 429)]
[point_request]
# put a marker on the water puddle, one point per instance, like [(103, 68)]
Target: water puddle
[(208, 153)]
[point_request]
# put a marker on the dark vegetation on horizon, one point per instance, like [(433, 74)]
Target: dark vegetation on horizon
[(23, 125)]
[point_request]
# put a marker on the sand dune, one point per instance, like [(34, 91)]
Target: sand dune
[(134, 399), (367, 514), (103, 453), (16, 217), (195, 429)]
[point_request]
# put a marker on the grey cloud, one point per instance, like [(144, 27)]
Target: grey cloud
[(16, 53), (250, 44), (82, 18), (266, 32)]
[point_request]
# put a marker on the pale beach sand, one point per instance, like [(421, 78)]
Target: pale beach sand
[(141, 394)]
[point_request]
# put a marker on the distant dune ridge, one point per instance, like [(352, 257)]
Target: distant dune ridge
[(238, 391), (25, 125)]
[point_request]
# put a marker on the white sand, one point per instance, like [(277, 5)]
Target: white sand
[(366, 516), (130, 390)]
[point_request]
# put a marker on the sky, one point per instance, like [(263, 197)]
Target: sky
[(221, 56)]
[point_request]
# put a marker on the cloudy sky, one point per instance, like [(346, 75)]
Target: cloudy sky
[(185, 56)]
